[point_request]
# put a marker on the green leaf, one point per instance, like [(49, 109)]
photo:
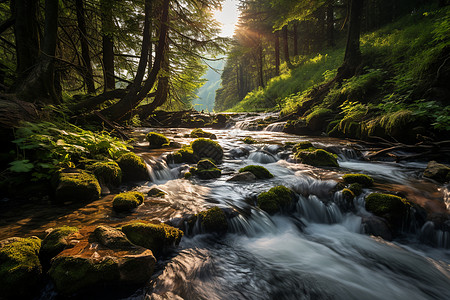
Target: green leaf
[(21, 166)]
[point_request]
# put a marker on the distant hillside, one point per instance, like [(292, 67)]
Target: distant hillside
[(207, 93)]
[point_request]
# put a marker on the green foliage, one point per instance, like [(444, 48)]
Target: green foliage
[(362, 179), (439, 114), (259, 171), (157, 140)]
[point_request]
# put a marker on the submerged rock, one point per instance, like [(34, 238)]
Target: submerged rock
[(56, 241), (74, 185), (362, 179), (157, 140), (125, 202), (249, 140), (377, 226), (199, 133), (155, 192), (259, 171), (438, 172), (244, 176), (20, 268), (133, 167)]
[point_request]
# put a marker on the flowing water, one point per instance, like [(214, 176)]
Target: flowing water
[(316, 251)]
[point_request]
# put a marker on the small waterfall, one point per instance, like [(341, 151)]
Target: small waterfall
[(306, 185), (435, 237), (314, 210), (257, 223), (262, 157), (275, 127), (159, 170), (248, 125)]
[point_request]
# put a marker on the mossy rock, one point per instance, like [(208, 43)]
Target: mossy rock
[(276, 199), (317, 158), (71, 274), (184, 155), (206, 148), (20, 268), (392, 208), (155, 237), (302, 146), (437, 171), (249, 140), (199, 133), (259, 171), (133, 167), (206, 169), (111, 237), (56, 241), (126, 202), (107, 172), (318, 119), (157, 140), (187, 175), (362, 179), (77, 186), (157, 193), (213, 220), (356, 188), (348, 195)]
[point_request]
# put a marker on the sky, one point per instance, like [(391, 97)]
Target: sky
[(228, 17)]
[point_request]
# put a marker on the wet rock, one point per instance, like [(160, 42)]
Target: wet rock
[(377, 226), (74, 185), (206, 169), (362, 179), (157, 140), (259, 171), (111, 238), (249, 140), (184, 155), (20, 268), (356, 188), (133, 167), (155, 192), (438, 172), (108, 173), (239, 152), (297, 127), (125, 202), (317, 158), (155, 237), (56, 241), (276, 199), (393, 208), (318, 119), (206, 148), (213, 220), (244, 176), (199, 133)]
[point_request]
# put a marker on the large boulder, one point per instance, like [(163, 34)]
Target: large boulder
[(390, 207), (276, 199), (20, 268), (184, 155), (133, 167), (206, 148), (107, 172), (259, 171), (213, 220), (111, 237), (155, 237), (157, 140), (438, 172), (56, 241), (125, 202), (74, 185)]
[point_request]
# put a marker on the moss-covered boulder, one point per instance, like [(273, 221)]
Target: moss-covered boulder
[(74, 185), (317, 158), (276, 199), (157, 193), (107, 172), (20, 268), (437, 171), (199, 133), (157, 140), (206, 148), (249, 140), (348, 195), (362, 179), (213, 220), (259, 171), (184, 155), (56, 241), (356, 188), (206, 169), (125, 202), (133, 167), (155, 237), (111, 238), (302, 146), (318, 119), (392, 208)]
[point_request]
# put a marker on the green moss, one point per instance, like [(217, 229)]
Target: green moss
[(277, 198), (249, 140), (187, 175), (155, 192), (108, 172), (199, 133), (302, 146), (214, 220), (364, 180), (20, 268), (77, 185), (206, 169), (157, 140), (317, 120), (206, 148), (152, 236), (184, 155), (348, 195), (133, 167), (128, 201), (72, 274), (318, 158), (391, 207), (55, 241), (356, 188), (259, 171)]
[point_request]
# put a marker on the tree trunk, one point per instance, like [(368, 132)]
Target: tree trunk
[(352, 57), (126, 104), (26, 34), (295, 39), (277, 53), (107, 45), (40, 83), (87, 70), (286, 46), (260, 64), (330, 25)]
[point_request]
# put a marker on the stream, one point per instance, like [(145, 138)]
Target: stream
[(318, 251)]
